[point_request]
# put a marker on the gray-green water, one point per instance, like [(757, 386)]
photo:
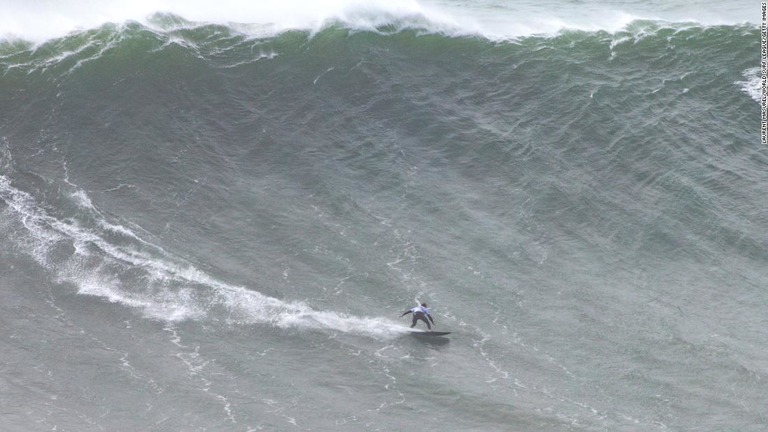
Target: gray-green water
[(215, 227)]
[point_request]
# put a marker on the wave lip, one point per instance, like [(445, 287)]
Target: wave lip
[(26, 21), (494, 20)]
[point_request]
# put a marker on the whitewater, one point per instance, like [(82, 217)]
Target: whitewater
[(487, 18), (212, 215)]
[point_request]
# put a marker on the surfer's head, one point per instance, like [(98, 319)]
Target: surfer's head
[(424, 304)]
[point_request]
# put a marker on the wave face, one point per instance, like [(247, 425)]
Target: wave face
[(583, 203)]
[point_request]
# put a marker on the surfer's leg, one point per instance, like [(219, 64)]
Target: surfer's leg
[(413, 323), (423, 318)]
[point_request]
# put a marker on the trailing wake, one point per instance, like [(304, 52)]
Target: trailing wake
[(138, 274)]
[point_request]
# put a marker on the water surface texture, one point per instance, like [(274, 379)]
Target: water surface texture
[(212, 215)]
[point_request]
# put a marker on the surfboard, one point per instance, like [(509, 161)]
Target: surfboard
[(429, 333)]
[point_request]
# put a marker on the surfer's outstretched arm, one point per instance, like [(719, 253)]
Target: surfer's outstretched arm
[(406, 313)]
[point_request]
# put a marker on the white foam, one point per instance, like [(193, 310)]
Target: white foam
[(99, 283), (82, 199), (40, 239), (495, 19), (170, 289), (752, 84)]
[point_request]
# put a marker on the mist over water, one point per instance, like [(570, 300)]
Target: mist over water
[(493, 19), (212, 216)]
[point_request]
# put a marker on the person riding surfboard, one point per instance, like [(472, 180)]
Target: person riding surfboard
[(420, 313)]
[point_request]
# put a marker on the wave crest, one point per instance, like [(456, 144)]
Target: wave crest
[(491, 20)]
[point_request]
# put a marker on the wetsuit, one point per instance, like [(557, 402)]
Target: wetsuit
[(419, 313)]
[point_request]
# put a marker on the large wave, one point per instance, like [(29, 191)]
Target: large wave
[(495, 20), (213, 95)]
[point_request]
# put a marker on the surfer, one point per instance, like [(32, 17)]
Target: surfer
[(420, 313)]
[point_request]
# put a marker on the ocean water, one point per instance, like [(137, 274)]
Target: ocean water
[(212, 215)]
